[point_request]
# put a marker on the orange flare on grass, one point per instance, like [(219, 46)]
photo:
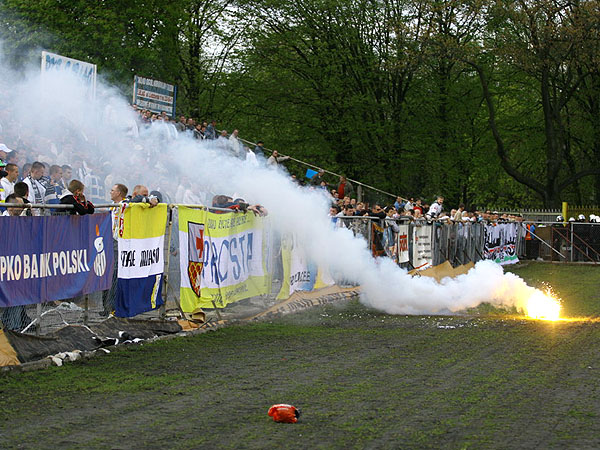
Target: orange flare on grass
[(543, 306)]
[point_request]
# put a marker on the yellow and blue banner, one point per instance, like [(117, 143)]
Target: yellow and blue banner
[(222, 258), (141, 239)]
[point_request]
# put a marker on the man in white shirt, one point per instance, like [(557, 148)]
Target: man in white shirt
[(8, 182), (234, 144), (436, 208), (37, 192)]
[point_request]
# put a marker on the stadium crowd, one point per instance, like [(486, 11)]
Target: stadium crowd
[(61, 164)]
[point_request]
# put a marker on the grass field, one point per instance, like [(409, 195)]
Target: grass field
[(360, 378)]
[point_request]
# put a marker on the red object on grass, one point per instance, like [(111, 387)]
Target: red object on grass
[(284, 413)]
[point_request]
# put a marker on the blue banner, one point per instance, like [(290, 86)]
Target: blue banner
[(54, 258)]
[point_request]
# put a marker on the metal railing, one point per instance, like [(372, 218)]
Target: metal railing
[(458, 243), (360, 185)]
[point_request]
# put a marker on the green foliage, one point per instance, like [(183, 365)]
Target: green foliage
[(390, 93)]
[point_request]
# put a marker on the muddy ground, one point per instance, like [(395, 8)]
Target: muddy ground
[(361, 380)]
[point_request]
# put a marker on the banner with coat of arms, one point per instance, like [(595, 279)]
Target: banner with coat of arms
[(222, 258)]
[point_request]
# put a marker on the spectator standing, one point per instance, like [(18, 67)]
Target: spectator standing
[(4, 151), (235, 145), (118, 193), (53, 189), (334, 215), (458, 216), (259, 148), (318, 178), (223, 140), (345, 189), (181, 124), (275, 159), (14, 210), (199, 132), (436, 208), (67, 173), (399, 204), (140, 194), (211, 130), (37, 191), (3, 174), (25, 171), (418, 206), (259, 151), (251, 157), (191, 125), (7, 184), (74, 196)]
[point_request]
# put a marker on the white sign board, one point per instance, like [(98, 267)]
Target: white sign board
[(154, 95), (51, 62)]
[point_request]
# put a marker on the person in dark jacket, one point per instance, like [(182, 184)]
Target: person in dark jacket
[(74, 196)]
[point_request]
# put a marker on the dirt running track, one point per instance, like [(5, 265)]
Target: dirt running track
[(361, 380)]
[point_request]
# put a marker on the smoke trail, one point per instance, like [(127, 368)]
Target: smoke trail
[(104, 134)]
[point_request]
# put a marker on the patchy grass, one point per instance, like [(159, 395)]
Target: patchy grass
[(577, 284), (361, 379)]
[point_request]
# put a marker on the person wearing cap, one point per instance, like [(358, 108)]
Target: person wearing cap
[(4, 151), (7, 183), (3, 174)]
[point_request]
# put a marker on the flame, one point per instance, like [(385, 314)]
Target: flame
[(543, 306)]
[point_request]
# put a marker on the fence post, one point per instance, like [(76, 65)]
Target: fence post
[(86, 309), (359, 193), (38, 323), (370, 233), (572, 245), (163, 307)]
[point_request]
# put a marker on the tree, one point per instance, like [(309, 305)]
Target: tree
[(534, 37)]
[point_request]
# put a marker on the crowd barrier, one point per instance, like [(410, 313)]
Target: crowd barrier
[(561, 242), (183, 260)]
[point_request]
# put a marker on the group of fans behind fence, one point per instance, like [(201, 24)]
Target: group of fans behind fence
[(37, 170)]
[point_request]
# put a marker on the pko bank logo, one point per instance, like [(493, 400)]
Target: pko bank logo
[(100, 260)]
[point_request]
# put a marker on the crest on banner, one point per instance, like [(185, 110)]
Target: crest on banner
[(195, 255)]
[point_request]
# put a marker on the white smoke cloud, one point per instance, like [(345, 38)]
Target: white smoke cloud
[(59, 114)]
